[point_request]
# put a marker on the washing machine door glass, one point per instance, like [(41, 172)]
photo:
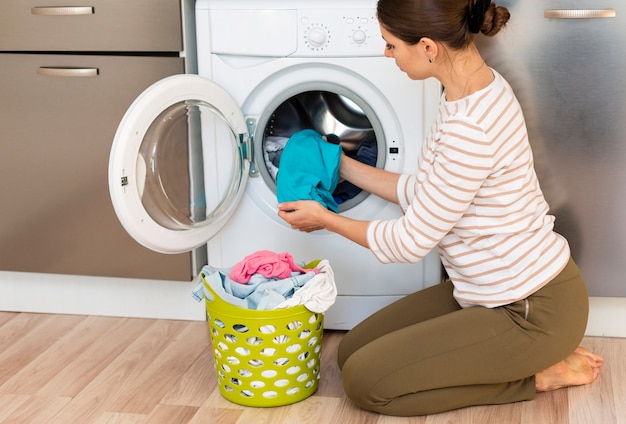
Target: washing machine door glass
[(179, 163)]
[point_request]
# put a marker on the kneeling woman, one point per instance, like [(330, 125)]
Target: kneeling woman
[(509, 321)]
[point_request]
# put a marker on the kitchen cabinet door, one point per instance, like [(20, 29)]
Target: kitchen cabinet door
[(58, 117)]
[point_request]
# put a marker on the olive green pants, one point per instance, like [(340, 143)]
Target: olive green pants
[(424, 354)]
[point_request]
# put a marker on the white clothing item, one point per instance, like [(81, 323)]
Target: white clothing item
[(318, 294), (273, 147)]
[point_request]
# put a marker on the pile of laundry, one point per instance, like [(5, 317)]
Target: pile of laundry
[(266, 280)]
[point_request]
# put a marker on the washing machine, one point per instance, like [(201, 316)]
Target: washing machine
[(195, 159)]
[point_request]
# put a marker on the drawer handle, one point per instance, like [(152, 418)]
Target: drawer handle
[(50, 71), (62, 10), (579, 13)]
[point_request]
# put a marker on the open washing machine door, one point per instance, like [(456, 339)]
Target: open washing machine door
[(179, 163)]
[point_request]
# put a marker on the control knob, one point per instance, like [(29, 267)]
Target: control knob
[(359, 36), (317, 37)]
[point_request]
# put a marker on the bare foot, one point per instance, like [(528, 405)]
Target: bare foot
[(581, 367)]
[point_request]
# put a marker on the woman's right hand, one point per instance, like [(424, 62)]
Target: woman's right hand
[(310, 215), (303, 215)]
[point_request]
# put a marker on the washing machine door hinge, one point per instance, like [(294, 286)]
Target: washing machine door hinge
[(248, 146)]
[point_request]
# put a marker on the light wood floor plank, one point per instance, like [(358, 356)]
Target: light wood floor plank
[(112, 383), (548, 407), (384, 419), (13, 327), (322, 407), (263, 416), (10, 403), (460, 416), (314, 410), (618, 374), (215, 400), (39, 411), (497, 413), (196, 384), (69, 346), (348, 413), (208, 414), (33, 341), (7, 316), (177, 414), (328, 385), (163, 371), (120, 418), (594, 403), (84, 368)]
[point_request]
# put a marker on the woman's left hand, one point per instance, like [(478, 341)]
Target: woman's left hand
[(303, 215)]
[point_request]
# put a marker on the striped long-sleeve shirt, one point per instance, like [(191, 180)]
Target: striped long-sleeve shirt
[(477, 198)]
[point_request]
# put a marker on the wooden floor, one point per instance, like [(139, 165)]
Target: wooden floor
[(66, 369)]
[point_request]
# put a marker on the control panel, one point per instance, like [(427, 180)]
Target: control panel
[(351, 32)]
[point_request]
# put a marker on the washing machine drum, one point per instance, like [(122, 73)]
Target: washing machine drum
[(330, 114)]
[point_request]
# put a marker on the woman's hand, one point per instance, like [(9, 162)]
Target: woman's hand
[(309, 215), (304, 215)]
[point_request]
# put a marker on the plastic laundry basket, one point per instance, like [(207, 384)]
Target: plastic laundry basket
[(264, 358)]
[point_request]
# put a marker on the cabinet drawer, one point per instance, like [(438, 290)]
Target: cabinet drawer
[(91, 25)]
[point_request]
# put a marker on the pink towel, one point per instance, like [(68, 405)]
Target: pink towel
[(266, 263)]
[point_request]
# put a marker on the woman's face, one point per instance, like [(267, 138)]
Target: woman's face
[(411, 59)]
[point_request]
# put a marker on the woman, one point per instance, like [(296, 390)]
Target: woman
[(509, 321)]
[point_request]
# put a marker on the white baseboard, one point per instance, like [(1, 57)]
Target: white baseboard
[(607, 317), (80, 295), (69, 294)]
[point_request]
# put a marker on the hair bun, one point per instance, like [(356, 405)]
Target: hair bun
[(476, 16)]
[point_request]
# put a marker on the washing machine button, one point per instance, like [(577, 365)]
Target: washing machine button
[(359, 37)]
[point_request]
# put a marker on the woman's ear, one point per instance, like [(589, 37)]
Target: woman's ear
[(429, 48)]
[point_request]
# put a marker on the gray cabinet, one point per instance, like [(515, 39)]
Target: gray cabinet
[(89, 26), (67, 76)]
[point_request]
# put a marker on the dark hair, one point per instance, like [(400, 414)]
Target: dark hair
[(453, 22)]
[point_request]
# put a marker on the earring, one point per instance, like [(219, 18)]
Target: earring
[(431, 60)]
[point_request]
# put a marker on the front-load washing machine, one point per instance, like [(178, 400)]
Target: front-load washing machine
[(195, 158)]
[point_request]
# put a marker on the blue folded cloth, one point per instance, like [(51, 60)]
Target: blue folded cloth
[(309, 169)]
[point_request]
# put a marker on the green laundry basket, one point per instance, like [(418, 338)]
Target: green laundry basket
[(264, 358)]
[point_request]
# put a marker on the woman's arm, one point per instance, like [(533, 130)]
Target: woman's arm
[(371, 179), (309, 215)]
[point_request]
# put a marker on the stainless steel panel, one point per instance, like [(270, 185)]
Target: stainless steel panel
[(55, 138), (567, 70)]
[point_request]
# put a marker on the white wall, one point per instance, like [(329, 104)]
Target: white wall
[(48, 293)]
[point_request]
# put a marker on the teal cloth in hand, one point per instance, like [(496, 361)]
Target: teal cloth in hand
[(309, 169)]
